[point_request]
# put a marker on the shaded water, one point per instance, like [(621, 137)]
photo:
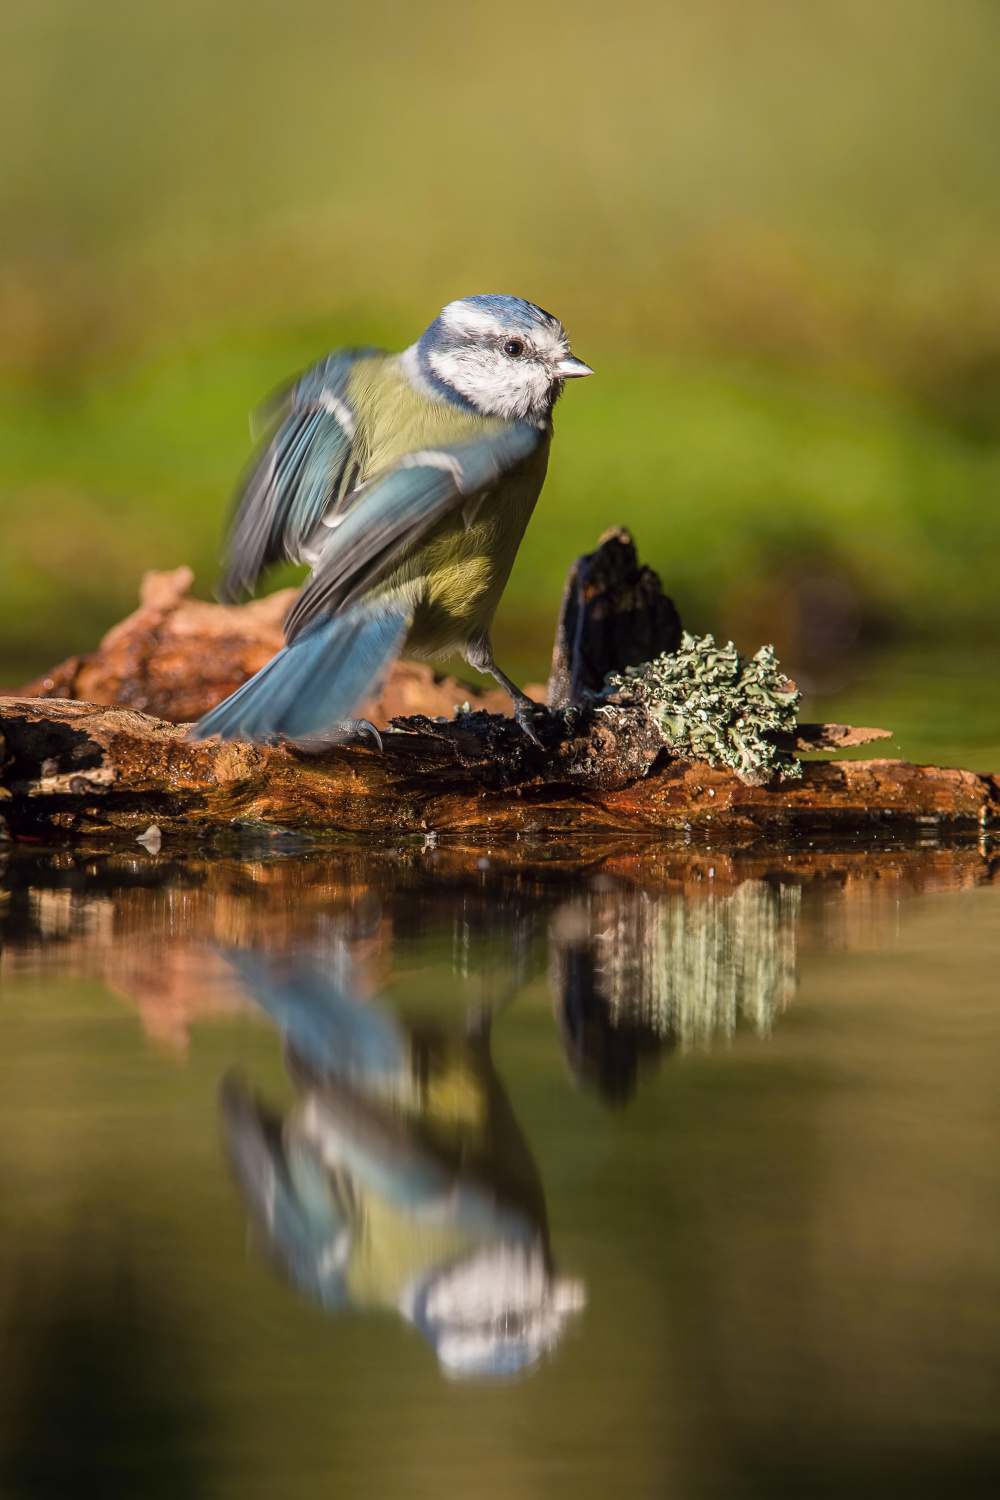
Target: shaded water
[(501, 1173)]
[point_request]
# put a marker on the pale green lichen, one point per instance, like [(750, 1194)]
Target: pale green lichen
[(711, 703)]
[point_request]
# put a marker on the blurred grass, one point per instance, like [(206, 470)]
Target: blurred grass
[(940, 702), (774, 231)]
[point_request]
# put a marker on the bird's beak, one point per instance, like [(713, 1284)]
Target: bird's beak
[(569, 368)]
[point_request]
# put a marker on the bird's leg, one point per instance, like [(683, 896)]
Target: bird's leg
[(479, 654), (526, 710)]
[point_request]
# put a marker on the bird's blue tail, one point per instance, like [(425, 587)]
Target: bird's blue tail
[(313, 685), (316, 1011)]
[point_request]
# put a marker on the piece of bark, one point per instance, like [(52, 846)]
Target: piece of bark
[(827, 737), (176, 657), (614, 615), (182, 656), (76, 769), (585, 747)]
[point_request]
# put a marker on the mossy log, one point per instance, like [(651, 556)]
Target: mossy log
[(77, 769), (102, 770)]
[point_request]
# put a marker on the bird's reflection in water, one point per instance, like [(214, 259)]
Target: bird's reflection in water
[(634, 973), (400, 1178)]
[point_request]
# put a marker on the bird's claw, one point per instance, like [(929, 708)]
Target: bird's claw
[(527, 714), (366, 730)]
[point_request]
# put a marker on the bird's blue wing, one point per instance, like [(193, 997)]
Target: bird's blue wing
[(395, 510), (290, 1197), (295, 474)]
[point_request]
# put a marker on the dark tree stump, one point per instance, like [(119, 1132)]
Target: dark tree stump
[(614, 615)]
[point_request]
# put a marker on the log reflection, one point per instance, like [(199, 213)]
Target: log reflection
[(636, 972)]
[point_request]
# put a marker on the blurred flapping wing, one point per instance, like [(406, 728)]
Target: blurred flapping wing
[(396, 509), (296, 476)]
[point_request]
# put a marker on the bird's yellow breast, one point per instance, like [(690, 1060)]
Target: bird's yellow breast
[(464, 563)]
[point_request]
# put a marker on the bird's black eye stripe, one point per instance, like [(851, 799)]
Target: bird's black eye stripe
[(514, 347)]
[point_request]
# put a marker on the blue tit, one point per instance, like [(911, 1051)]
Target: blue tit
[(406, 482)]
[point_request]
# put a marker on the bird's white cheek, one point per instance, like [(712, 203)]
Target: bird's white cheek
[(541, 386), (466, 373), (496, 385)]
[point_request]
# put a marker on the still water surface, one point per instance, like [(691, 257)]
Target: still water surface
[(520, 1172)]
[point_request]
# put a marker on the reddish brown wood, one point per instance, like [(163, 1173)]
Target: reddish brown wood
[(176, 657), (86, 770)]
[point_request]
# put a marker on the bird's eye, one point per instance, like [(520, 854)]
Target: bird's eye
[(514, 347)]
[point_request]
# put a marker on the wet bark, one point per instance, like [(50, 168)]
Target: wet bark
[(83, 770)]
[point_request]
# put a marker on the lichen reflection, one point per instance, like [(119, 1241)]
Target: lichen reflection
[(400, 1177), (635, 973)]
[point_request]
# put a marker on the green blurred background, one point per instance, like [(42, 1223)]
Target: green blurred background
[(772, 227)]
